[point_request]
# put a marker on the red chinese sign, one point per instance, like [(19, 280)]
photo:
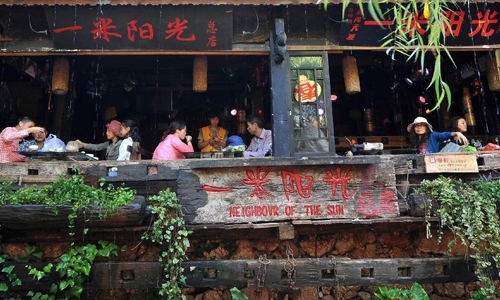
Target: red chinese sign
[(143, 27), (479, 26), (267, 193)]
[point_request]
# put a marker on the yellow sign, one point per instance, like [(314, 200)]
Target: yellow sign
[(309, 90), (451, 163)]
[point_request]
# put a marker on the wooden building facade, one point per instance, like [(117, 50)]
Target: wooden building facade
[(344, 224)]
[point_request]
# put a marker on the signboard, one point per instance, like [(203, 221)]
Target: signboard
[(480, 26), (263, 194), (196, 28), (451, 163)]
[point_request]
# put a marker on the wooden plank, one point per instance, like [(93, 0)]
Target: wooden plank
[(43, 216), (286, 231), (260, 194), (309, 272)]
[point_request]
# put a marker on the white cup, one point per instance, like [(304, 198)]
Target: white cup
[(33, 147)]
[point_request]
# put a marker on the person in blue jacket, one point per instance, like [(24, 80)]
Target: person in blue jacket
[(427, 141)]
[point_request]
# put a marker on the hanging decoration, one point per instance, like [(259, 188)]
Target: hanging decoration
[(200, 74), (469, 112), (369, 120), (60, 76), (242, 123), (351, 75), (492, 73), (309, 90)]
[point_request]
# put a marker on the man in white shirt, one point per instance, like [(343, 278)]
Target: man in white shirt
[(262, 141)]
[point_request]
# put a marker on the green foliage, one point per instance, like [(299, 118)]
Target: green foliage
[(10, 275), (405, 38), (67, 191), (481, 295), (73, 269), (416, 292), (168, 230), (236, 294), (471, 211), (7, 272), (70, 191)]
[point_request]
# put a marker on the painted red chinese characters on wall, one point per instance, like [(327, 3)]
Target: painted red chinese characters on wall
[(483, 21), (295, 182), (177, 28), (212, 30), (145, 30), (254, 179), (69, 28), (342, 180), (102, 29), (367, 205)]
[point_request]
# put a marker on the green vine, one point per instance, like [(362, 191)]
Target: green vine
[(168, 230), (406, 39), (71, 191), (73, 269), (471, 211), (415, 292)]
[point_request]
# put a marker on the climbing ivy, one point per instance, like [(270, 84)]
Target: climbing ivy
[(74, 267), (169, 231), (73, 270), (471, 211)]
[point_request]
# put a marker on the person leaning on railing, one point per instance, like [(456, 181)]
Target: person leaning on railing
[(113, 144), (426, 140), (262, 138), (11, 136), (171, 145)]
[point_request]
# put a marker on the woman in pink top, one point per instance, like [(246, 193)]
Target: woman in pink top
[(171, 144)]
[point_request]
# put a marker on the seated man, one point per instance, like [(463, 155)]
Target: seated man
[(212, 138), (11, 136), (39, 140), (262, 141)]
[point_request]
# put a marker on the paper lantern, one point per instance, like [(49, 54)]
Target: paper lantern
[(469, 112), (492, 73), (60, 76), (351, 75), (200, 74)]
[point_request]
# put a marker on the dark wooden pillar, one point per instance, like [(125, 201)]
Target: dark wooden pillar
[(280, 90)]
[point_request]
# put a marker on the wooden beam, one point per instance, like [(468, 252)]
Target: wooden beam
[(309, 272)]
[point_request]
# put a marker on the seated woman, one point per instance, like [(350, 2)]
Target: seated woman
[(112, 146), (39, 140), (131, 140), (460, 125), (427, 141), (171, 145)]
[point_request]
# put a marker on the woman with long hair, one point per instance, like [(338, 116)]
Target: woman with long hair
[(427, 141), (171, 145), (130, 134)]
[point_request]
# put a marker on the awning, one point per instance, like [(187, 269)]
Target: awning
[(157, 2)]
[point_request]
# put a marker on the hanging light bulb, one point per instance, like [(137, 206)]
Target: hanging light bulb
[(200, 74), (60, 76)]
